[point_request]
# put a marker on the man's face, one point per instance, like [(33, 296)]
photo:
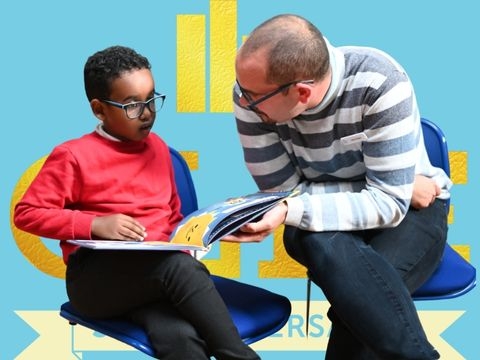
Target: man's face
[(273, 103)]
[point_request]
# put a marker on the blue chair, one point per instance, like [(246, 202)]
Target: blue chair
[(454, 276), (257, 313)]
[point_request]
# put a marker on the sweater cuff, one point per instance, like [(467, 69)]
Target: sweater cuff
[(82, 226), (295, 211)]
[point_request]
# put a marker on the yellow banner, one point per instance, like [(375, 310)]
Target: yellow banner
[(58, 340)]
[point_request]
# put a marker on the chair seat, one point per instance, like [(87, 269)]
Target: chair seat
[(121, 330), (453, 277), (256, 312)]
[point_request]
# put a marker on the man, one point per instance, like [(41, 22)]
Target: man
[(342, 126)]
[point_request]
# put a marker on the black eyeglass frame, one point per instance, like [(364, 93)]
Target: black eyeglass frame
[(143, 104), (252, 105)]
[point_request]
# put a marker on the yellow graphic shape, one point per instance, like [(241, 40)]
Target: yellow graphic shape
[(223, 48), (228, 263), (58, 340), (458, 173), (191, 58), (458, 166), (463, 250), (282, 266), (31, 246), (450, 216), (191, 63), (435, 323), (191, 157)]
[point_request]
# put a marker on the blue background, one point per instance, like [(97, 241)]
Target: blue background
[(44, 45)]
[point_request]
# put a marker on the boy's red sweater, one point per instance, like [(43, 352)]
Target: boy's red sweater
[(91, 176)]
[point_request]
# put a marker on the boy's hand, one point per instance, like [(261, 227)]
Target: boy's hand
[(425, 191), (118, 227), (257, 231)]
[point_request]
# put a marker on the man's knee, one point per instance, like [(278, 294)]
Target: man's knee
[(293, 245)]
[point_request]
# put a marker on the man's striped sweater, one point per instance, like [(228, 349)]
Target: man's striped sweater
[(354, 156)]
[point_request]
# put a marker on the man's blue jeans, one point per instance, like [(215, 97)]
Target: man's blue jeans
[(368, 276)]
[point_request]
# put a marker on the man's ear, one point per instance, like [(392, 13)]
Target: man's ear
[(304, 92), (98, 109)]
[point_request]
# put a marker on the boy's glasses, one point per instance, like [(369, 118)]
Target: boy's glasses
[(135, 109)]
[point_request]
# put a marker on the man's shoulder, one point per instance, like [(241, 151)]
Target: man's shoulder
[(363, 51), (363, 58)]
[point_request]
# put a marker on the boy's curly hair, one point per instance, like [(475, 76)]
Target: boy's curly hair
[(107, 65)]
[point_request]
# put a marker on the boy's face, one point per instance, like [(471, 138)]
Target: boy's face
[(132, 86)]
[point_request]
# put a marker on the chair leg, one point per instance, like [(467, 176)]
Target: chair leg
[(307, 315)]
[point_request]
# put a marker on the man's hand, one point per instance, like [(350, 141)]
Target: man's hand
[(257, 231), (425, 190), (118, 227)]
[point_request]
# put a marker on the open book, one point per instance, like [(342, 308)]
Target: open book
[(204, 226)]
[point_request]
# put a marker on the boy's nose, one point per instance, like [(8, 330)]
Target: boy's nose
[(144, 116)]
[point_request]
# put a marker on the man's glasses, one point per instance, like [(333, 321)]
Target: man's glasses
[(135, 109), (252, 105)]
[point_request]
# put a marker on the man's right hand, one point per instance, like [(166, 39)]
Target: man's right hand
[(258, 231), (425, 191)]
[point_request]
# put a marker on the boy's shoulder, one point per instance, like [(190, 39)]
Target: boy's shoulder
[(155, 137), (157, 140), (94, 141), (81, 141)]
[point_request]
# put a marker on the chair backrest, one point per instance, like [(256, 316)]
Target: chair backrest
[(437, 148), (454, 275), (184, 182), (436, 144)]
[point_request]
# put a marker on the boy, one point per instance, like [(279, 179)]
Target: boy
[(117, 183)]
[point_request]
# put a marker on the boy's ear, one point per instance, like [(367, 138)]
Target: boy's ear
[(98, 109)]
